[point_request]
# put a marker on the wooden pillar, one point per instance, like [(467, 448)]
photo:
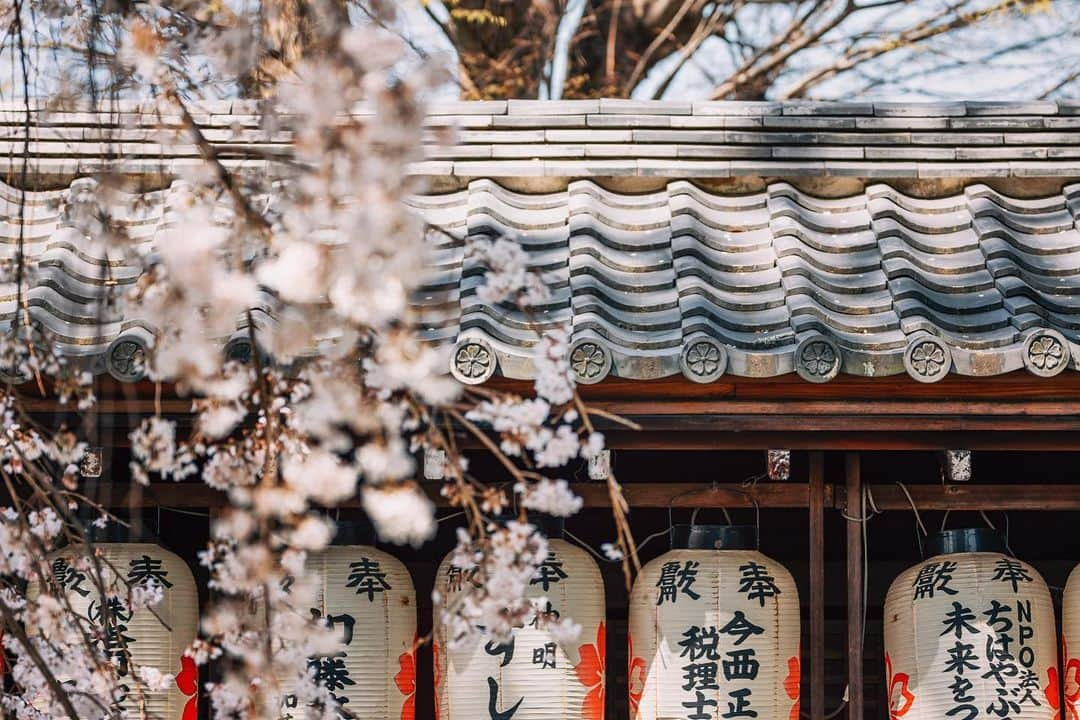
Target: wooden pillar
[(817, 586), (854, 511)]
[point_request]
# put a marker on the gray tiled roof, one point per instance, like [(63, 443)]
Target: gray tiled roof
[(677, 280), (590, 138), (674, 277), (75, 287), (681, 280)]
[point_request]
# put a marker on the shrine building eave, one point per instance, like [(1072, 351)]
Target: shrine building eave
[(678, 239)]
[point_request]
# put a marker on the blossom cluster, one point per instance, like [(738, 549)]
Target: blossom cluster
[(308, 268)]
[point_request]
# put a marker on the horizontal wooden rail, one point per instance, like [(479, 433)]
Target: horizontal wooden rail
[(973, 497), (594, 494), (797, 437), (682, 495)]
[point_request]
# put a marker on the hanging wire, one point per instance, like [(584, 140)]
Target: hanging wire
[(748, 482), (919, 525), (586, 546), (727, 515), (655, 535), (985, 518), (1008, 547), (451, 516), (179, 511)]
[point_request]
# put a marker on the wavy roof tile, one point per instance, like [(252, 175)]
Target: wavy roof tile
[(684, 281)]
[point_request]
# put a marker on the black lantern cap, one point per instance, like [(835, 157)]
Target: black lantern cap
[(714, 537), (551, 526), (965, 540), (354, 532)]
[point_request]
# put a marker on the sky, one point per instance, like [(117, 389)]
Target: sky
[(1044, 43)]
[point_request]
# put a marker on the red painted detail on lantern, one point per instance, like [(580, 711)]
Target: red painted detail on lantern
[(1069, 685), (1053, 691), (187, 681), (590, 671), (793, 685), (899, 703), (406, 684), (635, 676)]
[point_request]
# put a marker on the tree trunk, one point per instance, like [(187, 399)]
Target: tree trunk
[(291, 30), (504, 47)]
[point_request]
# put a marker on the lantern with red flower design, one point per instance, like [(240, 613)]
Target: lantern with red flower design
[(406, 684), (1070, 638), (714, 627), (900, 697), (367, 595), (533, 676), (970, 632), (635, 675), (153, 638)]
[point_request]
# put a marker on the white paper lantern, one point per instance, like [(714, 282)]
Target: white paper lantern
[(368, 596), (153, 642), (1070, 645), (970, 633), (534, 677), (714, 631)]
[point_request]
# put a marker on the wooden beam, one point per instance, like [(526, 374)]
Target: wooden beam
[(969, 496), (817, 585), (1020, 385), (797, 438), (692, 495), (692, 420), (1017, 411), (595, 495), (1032, 497), (898, 394), (682, 495), (855, 581), (837, 406)]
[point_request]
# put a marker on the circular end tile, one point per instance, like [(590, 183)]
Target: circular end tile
[(927, 359), (126, 358), (1046, 353), (473, 362), (817, 359), (590, 361), (703, 360)]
